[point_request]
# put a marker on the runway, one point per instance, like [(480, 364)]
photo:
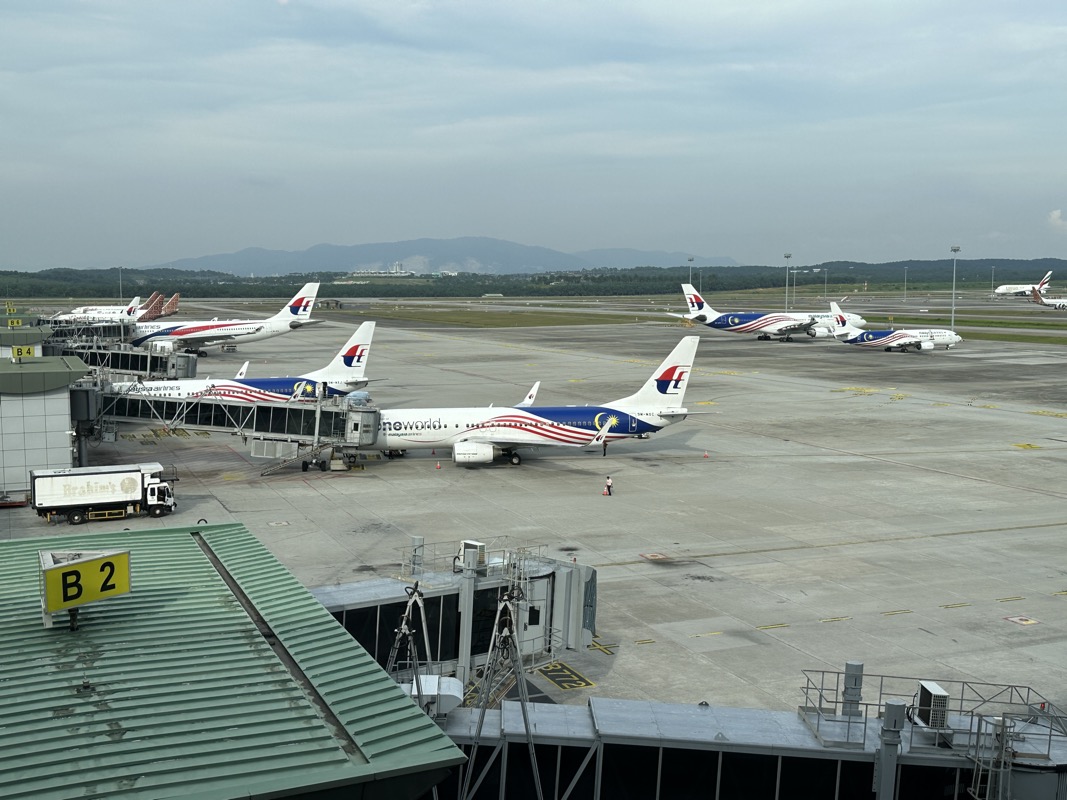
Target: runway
[(903, 510)]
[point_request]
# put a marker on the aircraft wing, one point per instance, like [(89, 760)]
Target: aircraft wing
[(799, 327)]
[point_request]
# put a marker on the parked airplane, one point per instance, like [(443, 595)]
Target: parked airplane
[(1059, 303), (131, 310), (343, 374), (902, 340), (774, 324), (194, 336), (480, 435), (1025, 288)]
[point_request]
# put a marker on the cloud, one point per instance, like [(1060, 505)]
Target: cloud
[(1056, 220)]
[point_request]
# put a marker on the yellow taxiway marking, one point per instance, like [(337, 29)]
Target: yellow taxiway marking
[(835, 619), (603, 648), (1054, 594), (644, 641), (899, 611), (700, 635), (1009, 599), (956, 605), (1058, 414), (565, 677), (772, 627), (1027, 446)]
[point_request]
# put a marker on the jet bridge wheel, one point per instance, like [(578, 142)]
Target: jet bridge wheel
[(515, 458)]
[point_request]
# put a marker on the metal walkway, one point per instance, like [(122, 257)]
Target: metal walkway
[(328, 422)]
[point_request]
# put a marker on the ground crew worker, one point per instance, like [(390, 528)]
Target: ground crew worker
[(607, 486)]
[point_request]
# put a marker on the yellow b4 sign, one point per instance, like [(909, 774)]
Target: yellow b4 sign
[(22, 351), (85, 578)]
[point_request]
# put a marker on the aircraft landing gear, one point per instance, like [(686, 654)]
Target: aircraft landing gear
[(514, 458)]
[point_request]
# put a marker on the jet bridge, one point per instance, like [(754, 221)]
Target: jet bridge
[(348, 423)]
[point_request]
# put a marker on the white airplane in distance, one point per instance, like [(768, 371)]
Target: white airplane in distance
[(132, 310), (1024, 289), (902, 340), (773, 324), (343, 374), (481, 435), (194, 336), (1059, 303)]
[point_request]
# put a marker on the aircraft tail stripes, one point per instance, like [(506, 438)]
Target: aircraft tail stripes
[(1044, 282), (666, 388)]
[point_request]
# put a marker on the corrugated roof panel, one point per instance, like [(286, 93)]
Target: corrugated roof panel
[(378, 709), (173, 690)]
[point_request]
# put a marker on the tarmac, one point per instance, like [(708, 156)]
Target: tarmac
[(822, 504)]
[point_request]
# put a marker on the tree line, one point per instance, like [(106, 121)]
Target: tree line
[(104, 284)]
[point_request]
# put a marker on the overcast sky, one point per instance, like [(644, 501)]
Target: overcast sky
[(136, 132)]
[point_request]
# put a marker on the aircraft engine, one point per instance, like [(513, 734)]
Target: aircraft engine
[(820, 333), (474, 453), (924, 346)]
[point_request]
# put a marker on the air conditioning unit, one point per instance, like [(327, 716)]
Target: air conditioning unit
[(932, 709), (470, 544)]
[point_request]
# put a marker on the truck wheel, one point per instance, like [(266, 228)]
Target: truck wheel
[(324, 465), (303, 466), (155, 511), (76, 517)]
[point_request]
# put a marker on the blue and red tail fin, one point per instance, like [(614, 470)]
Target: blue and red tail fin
[(299, 308), (350, 364), (666, 387)]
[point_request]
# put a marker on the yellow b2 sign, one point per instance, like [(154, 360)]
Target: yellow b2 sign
[(75, 583)]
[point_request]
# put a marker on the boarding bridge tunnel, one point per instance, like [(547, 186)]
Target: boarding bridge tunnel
[(345, 424)]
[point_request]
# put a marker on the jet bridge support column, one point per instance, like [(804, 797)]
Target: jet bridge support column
[(885, 760), (466, 613)]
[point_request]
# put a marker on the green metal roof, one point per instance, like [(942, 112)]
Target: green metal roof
[(41, 374), (218, 676)]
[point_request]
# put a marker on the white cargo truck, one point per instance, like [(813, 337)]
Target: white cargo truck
[(84, 493)]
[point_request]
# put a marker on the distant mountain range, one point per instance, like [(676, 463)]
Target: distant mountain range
[(476, 254)]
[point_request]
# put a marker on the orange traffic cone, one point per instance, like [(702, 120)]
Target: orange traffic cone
[(705, 454), (605, 492), (438, 465)]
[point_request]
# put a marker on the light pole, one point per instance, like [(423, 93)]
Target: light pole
[(120, 286), (905, 284), (787, 257), (825, 274), (952, 323), (992, 283), (690, 270)]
